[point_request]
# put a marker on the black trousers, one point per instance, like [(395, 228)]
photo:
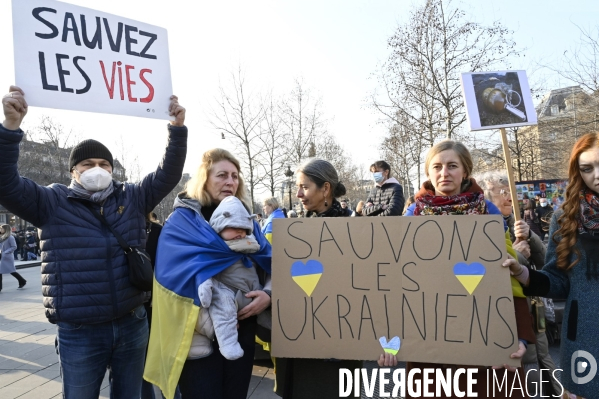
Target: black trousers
[(215, 377), (16, 275)]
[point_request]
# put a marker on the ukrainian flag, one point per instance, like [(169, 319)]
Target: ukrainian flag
[(189, 252), (267, 229)]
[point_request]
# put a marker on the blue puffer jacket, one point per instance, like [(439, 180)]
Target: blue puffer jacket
[(85, 276)]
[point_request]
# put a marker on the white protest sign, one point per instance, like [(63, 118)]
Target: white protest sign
[(75, 58)]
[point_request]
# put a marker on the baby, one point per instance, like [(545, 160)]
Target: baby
[(224, 294)]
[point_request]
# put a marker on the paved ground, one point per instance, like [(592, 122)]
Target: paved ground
[(28, 361)]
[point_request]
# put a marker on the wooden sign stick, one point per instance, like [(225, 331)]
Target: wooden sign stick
[(510, 174)]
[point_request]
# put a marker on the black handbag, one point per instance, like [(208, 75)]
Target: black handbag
[(141, 275)]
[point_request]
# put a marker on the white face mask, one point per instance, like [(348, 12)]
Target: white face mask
[(543, 204), (95, 179)]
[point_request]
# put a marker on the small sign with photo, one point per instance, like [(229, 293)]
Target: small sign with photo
[(497, 100)]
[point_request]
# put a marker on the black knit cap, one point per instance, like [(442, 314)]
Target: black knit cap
[(89, 149)]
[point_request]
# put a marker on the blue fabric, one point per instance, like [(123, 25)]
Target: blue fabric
[(85, 275), (276, 214), (85, 351), (190, 252)]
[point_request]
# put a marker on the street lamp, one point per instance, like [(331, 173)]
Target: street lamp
[(289, 174)]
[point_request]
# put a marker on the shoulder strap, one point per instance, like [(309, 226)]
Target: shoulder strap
[(102, 219)]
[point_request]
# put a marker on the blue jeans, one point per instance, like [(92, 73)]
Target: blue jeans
[(85, 351)]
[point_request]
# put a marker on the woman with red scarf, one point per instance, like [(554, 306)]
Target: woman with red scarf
[(451, 190)]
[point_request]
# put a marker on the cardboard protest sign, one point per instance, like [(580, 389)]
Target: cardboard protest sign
[(75, 58), (345, 288), (497, 99)]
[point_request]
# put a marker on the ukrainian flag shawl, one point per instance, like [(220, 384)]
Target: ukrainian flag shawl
[(189, 252)]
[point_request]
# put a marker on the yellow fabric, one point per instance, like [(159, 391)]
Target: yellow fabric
[(268, 237), (173, 321), (265, 345), (516, 287)]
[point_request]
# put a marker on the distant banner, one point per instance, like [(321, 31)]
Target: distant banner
[(71, 57), (428, 289)]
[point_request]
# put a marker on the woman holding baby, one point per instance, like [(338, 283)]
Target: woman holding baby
[(212, 281)]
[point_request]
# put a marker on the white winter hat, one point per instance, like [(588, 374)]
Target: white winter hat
[(231, 213)]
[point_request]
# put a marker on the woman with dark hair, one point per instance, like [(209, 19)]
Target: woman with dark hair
[(451, 190), (318, 188), (571, 269), (8, 245), (386, 198)]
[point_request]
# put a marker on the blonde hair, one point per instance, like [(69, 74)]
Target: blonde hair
[(272, 202), (459, 148), (196, 186), (7, 232)]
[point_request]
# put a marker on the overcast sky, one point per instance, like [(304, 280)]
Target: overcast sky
[(335, 46)]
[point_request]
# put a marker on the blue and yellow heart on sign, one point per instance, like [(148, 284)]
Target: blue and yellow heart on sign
[(470, 275), (307, 275)]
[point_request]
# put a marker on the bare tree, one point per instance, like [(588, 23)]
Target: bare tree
[(165, 207), (303, 120), (402, 150), (274, 156), (238, 115), (350, 175), (580, 64), (45, 151), (131, 168), (421, 93)]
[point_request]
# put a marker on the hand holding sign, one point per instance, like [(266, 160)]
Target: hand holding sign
[(14, 107), (176, 110)]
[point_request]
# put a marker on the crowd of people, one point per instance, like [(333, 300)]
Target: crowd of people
[(211, 296)]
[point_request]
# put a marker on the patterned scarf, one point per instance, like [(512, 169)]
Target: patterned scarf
[(334, 211), (470, 202), (589, 212), (94, 196)]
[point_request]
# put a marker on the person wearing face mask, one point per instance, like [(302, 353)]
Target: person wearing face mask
[(543, 213), (100, 318), (386, 198)]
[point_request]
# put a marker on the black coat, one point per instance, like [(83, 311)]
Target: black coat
[(389, 194)]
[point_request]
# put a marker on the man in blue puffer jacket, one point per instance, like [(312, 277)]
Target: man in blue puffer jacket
[(100, 320)]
